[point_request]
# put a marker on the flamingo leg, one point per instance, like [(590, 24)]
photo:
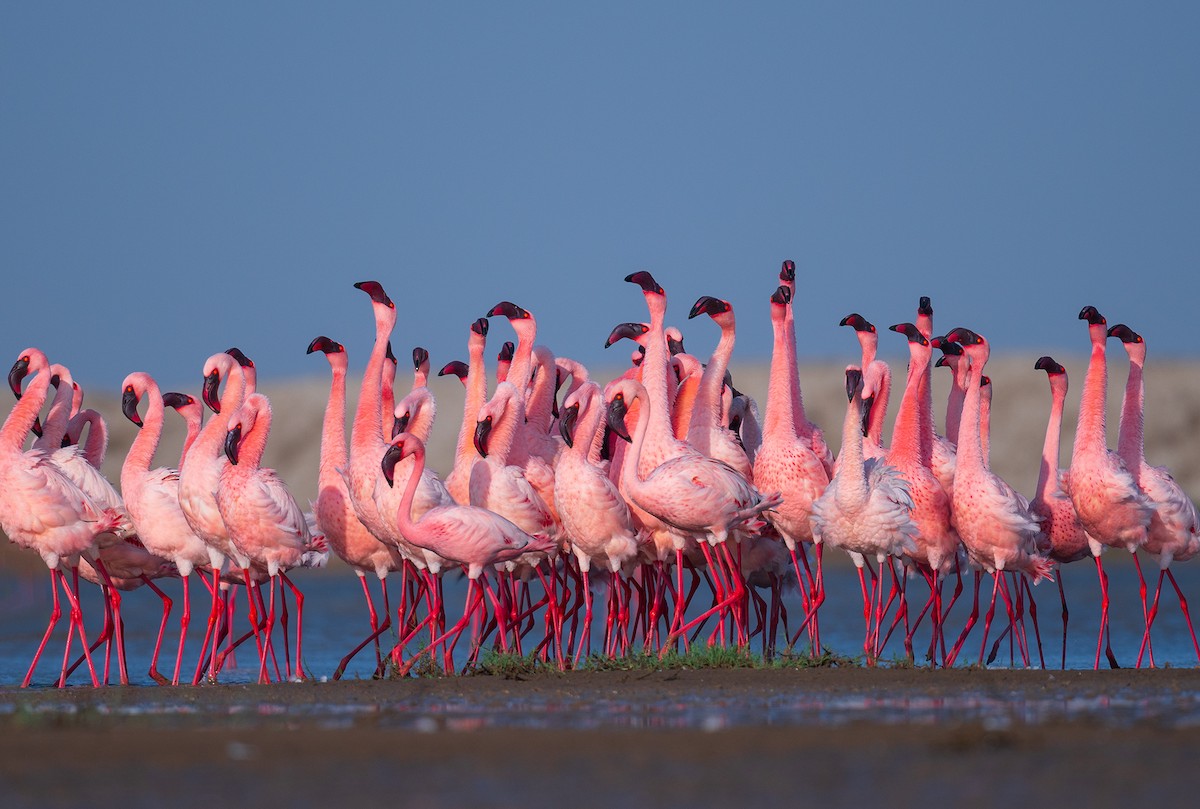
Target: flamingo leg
[(948, 661), (162, 629), (55, 614), (987, 621), (1065, 615), (1183, 606)]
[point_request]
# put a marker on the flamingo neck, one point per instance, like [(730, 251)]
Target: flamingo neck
[(851, 474), (333, 431), (1048, 470), (212, 435), (504, 430), (476, 395), (539, 411), (192, 419), (799, 420), (404, 520), (368, 417), (521, 369), (630, 479), (1130, 439), (254, 441), (782, 387), (879, 407), (24, 413), (1092, 429), (54, 428), (958, 394), (970, 448), (909, 442), (145, 443), (706, 410)]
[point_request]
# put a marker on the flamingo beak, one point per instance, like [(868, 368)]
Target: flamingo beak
[(18, 373), (129, 405), (232, 439), (566, 425), (391, 457), (209, 391), (615, 417), (482, 430)]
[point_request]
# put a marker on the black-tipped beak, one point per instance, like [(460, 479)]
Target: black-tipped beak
[(480, 327), (868, 403), (391, 457), (456, 367), (708, 305), (1048, 365), (17, 374), (240, 356), (646, 281), (566, 424), (482, 430), (176, 400), (1093, 317), (506, 351), (853, 381), (129, 405), (673, 346), (788, 271), (626, 331), (375, 290), (615, 417), (209, 392), (509, 310), (325, 346), (388, 355), (232, 439), (857, 322), (36, 429), (909, 330), (963, 336), (1124, 334), (924, 307)]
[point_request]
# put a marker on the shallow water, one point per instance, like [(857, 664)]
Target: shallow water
[(335, 619)]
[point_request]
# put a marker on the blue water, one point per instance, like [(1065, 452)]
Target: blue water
[(335, 620)]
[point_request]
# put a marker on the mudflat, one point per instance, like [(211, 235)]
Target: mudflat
[(705, 737)]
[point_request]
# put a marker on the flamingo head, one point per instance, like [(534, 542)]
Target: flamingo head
[(456, 367), (708, 305), (964, 337), (910, 331), (177, 400), (420, 358), (787, 272), (389, 356), (925, 307), (129, 403), (615, 416), (483, 431), (646, 281), (325, 346), (1092, 316), (400, 422), (241, 358), (567, 422), (639, 354), (480, 327), (509, 310), (674, 341), (1124, 334), (233, 441), (626, 331), (858, 323), (212, 382), (17, 374), (375, 290), (401, 447), (1048, 365), (782, 296), (506, 351)]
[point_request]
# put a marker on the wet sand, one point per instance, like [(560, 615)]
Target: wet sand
[(709, 738)]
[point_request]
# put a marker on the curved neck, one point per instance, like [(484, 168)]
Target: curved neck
[(212, 434), (958, 394), (504, 429), (521, 369), (630, 479), (404, 520), (368, 417), (476, 395), (254, 441), (54, 428), (141, 451), (539, 412), (1130, 439), (387, 398), (24, 413), (191, 417), (879, 407)]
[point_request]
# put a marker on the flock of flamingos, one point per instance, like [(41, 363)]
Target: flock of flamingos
[(664, 484)]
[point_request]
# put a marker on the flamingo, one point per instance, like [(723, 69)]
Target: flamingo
[(705, 429), (596, 520), (467, 535), (192, 413), (877, 384), (1112, 509), (199, 478), (993, 522), (336, 520), (41, 509), (805, 429), (911, 454), (1052, 505), (943, 452), (152, 498), (264, 521), (1174, 530), (865, 510), (787, 463)]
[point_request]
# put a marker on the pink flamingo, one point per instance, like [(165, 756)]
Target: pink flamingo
[(1112, 509), (1174, 530), (596, 520), (706, 431), (865, 510), (152, 498), (192, 413), (473, 537), (877, 384), (787, 463), (264, 521), (943, 453), (199, 478), (994, 524), (1051, 505), (41, 509), (805, 429), (911, 454), (336, 520)]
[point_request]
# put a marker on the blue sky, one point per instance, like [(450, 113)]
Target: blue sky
[(180, 179)]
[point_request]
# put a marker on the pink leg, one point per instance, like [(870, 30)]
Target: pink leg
[(1137, 565), (971, 619), (162, 629), (1183, 606), (987, 621), (1065, 615), (76, 613), (210, 633), (55, 614)]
